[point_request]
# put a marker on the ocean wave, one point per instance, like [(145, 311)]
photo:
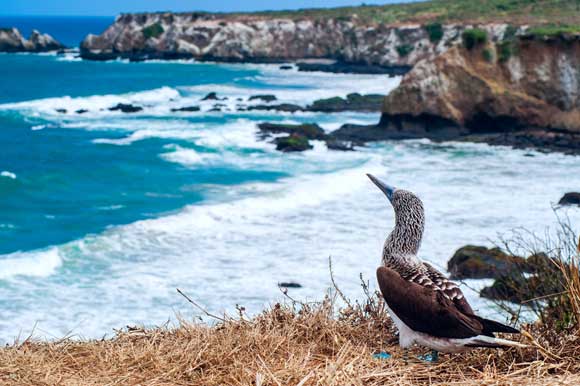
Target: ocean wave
[(37, 263), (247, 237), (300, 88), (96, 104), (189, 157), (141, 135), (8, 174)]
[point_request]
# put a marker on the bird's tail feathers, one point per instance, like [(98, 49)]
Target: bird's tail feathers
[(491, 326), (491, 342)]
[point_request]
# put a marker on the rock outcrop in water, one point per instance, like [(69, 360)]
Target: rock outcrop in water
[(530, 98), (12, 41), (247, 38)]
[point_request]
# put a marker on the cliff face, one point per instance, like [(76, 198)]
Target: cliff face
[(254, 38), (529, 99), (538, 86), (12, 41)]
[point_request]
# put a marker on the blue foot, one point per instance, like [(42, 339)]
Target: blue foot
[(382, 355), (432, 357)]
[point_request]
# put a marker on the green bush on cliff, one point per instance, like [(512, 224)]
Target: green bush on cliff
[(505, 50), (474, 37), (404, 49), (152, 31), (554, 30), (510, 32), (488, 55), (435, 31)]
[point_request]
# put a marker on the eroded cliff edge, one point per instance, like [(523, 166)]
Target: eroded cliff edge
[(523, 93), (252, 38)]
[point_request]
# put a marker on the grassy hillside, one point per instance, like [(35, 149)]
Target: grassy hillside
[(517, 11)]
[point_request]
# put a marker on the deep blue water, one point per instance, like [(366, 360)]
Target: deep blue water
[(68, 186), (69, 30)]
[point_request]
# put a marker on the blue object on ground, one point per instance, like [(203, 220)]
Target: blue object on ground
[(432, 357), (382, 355)]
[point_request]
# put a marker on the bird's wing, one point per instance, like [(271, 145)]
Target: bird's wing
[(449, 288), (425, 310)]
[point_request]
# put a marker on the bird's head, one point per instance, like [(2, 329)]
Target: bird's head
[(405, 239), (402, 201)]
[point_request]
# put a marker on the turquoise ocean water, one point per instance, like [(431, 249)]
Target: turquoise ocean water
[(104, 214)]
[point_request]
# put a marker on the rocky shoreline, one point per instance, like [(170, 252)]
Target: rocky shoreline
[(494, 83), (11, 40)]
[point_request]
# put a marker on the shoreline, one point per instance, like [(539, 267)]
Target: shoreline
[(543, 140)]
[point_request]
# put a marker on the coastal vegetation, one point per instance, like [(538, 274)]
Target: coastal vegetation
[(553, 30), (435, 31), (474, 37), (504, 50), (152, 31), (447, 11), (404, 49)]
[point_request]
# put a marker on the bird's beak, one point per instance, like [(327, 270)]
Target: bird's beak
[(387, 189)]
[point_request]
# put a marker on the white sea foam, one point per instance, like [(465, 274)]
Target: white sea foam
[(96, 104), (249, 237), (188, 157), (36, 264), (8, 174)]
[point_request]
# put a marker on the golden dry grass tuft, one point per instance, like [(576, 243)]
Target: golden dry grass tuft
[(286, 345)]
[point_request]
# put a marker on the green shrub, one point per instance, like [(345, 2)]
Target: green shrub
[(474, 37), (404, 49), (152, 31), (510, 32), (505, 50), (435, 31), (488, 55), (554, 30)]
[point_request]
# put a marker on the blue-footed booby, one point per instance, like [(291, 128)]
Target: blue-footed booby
[(426, 307)]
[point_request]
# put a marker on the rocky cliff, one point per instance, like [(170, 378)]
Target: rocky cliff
[(266, 39), (12, 41), (529, 86)]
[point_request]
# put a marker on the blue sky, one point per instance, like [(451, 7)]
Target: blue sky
[(113, 7)]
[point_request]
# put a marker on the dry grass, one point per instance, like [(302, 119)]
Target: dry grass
[(285, 345)]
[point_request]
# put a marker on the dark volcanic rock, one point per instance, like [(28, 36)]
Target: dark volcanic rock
[(126, 108), (353, 68), (515, 286), (519, 289), (291, 143), (81, 111), (333, 144), (308, 130), (476, 262), (570, 198), (290, 284), (265, 98), (212, 96), (186, 109), (359, 134), (353, 102), (506, 288), (285, 67), (285, 107)]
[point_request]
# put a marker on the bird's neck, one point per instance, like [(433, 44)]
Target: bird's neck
[(403, 243)]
